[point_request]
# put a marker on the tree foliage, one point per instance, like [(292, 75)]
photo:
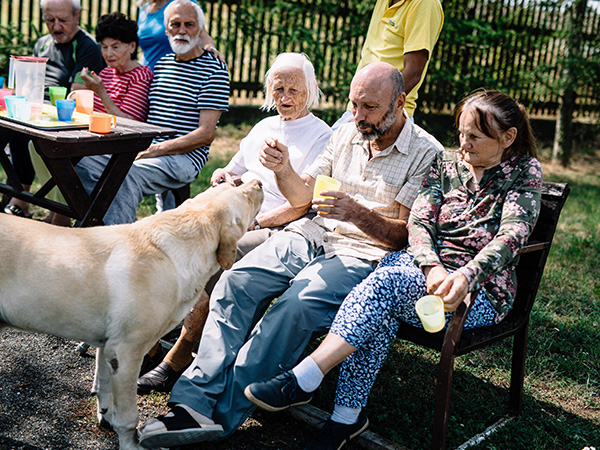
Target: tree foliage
[(14, 42)]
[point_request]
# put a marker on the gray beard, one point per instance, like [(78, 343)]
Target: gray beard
[(388, 120), (182, 49)]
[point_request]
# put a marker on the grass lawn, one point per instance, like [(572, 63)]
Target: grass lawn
[(562, 385)]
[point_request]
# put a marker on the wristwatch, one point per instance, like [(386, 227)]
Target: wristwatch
[(255, 224)]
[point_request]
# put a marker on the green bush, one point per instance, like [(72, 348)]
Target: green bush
[(15, 42)]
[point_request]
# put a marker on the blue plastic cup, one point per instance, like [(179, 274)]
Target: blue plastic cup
[(64, 109), (10, 101)]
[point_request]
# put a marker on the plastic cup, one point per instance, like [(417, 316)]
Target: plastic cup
[(22, 111), (325, 183), (10, 103), (64, 110), (84, 100), (36, 111), (1, 82), (101, 123), (430, 310), (57, 93), (4, 93)]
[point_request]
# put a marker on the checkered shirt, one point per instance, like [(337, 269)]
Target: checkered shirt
[(382, 183)]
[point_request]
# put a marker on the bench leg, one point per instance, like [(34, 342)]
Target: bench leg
[(515, 399), (442, 401), (446, 370)]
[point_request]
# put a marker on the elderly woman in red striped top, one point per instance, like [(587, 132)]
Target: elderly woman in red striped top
[(122, 88)]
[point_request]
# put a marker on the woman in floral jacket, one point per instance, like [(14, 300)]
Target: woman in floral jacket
[(475, 211)]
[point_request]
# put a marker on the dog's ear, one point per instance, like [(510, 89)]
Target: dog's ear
[(231, 232)]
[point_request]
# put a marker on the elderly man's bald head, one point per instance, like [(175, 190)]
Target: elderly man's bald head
[(381, 75)]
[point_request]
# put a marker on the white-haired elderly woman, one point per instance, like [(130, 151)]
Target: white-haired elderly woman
[(291, 88)]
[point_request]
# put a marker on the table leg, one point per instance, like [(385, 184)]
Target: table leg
[(70, 185), (11, 176), (107, 187), (89, 210)]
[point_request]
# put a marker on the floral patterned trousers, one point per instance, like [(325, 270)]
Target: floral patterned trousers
[(371, 314)]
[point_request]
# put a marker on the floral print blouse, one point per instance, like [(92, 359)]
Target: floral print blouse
[(478, 232)]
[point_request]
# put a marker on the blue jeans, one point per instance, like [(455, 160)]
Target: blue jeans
[(241, 344), (147, 176)]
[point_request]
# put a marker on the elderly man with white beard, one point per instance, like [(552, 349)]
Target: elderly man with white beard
[(189, 92)]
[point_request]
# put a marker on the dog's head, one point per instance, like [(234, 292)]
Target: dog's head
[(218, 216), (234, 208), (230, 211)]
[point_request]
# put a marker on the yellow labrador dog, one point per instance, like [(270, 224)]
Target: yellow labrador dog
[(122, 287)]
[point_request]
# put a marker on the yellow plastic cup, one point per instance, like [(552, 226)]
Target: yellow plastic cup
[(325, 183), (430, 310)]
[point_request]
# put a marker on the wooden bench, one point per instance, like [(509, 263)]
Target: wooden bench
[(455, 341)]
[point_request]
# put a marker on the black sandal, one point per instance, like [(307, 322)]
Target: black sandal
[(14, 210), (176, 429)]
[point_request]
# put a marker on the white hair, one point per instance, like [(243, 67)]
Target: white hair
[(199, 12), (76, 5), (298, 61)]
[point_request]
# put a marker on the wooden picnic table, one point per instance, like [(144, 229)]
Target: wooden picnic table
[(62, 148)]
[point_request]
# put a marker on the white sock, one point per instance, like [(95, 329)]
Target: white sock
[(308, 374), (200, 418), (345, 415)]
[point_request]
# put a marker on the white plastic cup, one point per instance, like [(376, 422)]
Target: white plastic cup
[(22, 111), (430, 310)]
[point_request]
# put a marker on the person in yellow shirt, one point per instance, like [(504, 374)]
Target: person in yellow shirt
[(403, 34)]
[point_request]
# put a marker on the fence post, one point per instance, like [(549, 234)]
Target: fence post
[(563, 137)]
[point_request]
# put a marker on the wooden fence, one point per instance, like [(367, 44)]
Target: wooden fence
[(512, 45)]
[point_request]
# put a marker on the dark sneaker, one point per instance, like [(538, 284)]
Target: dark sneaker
[(175, 429), (334, 435), (161, 379), (150, 362), (277, 393)]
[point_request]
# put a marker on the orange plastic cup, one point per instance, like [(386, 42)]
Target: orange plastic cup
[(84, 100), (102, 123)]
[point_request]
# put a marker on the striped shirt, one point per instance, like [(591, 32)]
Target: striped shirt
[(181, 89), (128, 90), (382, 183)]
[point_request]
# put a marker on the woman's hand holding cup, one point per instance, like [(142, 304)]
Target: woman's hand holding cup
[(453, 288)]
